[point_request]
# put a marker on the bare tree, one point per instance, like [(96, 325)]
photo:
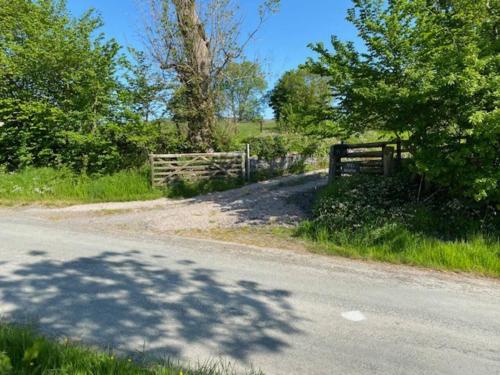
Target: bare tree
[(194, 41)]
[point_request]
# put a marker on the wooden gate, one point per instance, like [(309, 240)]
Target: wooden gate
[(375, 158), (169, 167)]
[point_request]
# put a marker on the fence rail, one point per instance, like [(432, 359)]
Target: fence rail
[(348, 159), (169, 167)]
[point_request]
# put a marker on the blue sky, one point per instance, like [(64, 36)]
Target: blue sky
[(280, 45)]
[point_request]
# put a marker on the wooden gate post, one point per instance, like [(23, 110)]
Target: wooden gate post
[(152, 174), (243, 166), (387, 157), (332, 165), (398, 154), (248, 163), (336, 154)]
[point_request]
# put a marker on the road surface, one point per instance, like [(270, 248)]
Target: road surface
[(282, 312)]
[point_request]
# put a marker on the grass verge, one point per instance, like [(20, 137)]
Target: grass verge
[(48, 186), (478, 255), (60, 187), (25, 352)]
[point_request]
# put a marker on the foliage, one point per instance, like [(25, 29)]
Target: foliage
[(242, 90), (62, 101), (50, 61), (300, 101), (429, 69), (361, 201), (57, 87), (225, 136), (24, 351), (145, 89), (274, 146), (381, 218)]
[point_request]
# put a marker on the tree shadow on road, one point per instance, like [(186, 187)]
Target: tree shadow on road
[(121, 300)]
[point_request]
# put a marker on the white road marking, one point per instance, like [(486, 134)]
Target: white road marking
[(354, 316)]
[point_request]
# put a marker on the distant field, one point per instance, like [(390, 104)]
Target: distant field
[(253, 129)]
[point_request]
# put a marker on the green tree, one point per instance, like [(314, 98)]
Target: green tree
[(62, 101), (429, 70), (145, 89), (242, 91), (194, 41), (57, 80), (301, 103)]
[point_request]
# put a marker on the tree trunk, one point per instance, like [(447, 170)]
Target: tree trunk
[(201, 126), (195, 75)]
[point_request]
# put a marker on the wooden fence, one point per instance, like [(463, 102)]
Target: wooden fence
[(375, 158), (170, 167)]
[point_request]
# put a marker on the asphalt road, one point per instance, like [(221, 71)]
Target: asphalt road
[(282, 312)]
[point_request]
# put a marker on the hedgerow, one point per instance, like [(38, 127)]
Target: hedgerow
[(274, 146)]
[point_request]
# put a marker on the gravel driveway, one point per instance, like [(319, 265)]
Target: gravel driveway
[(281, 201)]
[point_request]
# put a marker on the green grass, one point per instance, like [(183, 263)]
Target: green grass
[(252, 129), (371, 136), (478, 255), (50, 186), (25, 352)]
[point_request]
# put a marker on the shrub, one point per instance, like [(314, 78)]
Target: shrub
[(33, 140), (376, 207), (225, 133)]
